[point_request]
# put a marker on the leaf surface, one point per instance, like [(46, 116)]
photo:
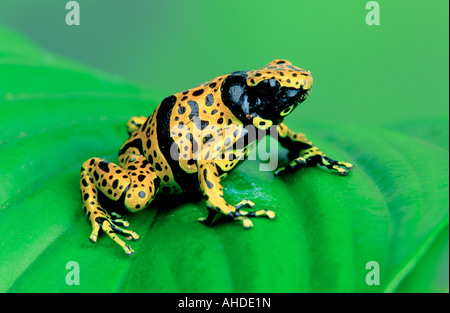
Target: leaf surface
[(392, 209)]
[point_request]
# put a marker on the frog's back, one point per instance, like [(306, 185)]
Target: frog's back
[(171, 138)]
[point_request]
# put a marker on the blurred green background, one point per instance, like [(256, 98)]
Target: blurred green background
[(362, 73), (380, 96)]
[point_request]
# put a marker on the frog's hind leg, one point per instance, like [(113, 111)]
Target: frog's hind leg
[(98, 216), (136, 186)]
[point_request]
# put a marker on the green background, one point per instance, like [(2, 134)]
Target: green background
[(362, 73), (379, 100)]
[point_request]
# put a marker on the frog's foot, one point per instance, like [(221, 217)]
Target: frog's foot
[(343, 168), (239, 215), (313, 156), (108, 223), (212, 189), (243, 216)]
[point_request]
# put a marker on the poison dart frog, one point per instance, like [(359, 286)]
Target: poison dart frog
[(193, 139)]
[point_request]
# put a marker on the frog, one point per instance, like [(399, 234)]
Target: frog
[(193, 140)]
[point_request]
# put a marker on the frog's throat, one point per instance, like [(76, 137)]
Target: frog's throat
[(261, 123)]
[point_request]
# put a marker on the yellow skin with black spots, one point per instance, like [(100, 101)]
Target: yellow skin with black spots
[(193, 139)]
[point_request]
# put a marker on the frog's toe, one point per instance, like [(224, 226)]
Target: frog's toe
[(247, 223), (203, 220), (341, 171), (131, 234), (349, 166), (278, 171), (243, 219), (94, 234), (245, 203), (270, 214), (243, 216), (116, 218), (110, 231)]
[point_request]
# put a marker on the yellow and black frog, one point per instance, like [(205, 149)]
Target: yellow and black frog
[(194, 138)]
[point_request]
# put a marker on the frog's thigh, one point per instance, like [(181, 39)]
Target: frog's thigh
[(101, 176), (138, 181), (144, 183)]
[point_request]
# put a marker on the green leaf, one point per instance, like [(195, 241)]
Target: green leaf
[(392, 209)]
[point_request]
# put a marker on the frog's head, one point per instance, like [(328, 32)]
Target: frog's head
[(267, 95)]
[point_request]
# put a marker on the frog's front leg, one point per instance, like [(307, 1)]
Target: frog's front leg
[(212, 190), (136, 185), (306, 153)]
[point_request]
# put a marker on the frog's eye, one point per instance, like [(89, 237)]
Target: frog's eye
[(267, 87), (287, 111)]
